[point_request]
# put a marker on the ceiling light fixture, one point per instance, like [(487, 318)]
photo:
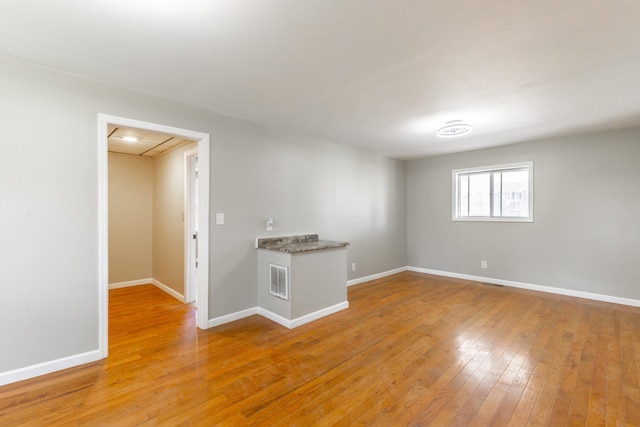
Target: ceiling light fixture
[(130, 138), (454, 128)]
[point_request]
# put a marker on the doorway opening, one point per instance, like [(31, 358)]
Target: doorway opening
[(197, 216)]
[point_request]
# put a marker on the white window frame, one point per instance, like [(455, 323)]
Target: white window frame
[(455, 211)]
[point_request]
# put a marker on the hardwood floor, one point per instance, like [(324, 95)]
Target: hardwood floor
[(412, 349)]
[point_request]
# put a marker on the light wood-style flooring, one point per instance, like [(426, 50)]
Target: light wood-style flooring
[(412, 349)]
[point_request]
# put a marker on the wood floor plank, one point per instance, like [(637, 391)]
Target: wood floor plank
[(412, 349), (614, 393), (629, 370), (596, 401)]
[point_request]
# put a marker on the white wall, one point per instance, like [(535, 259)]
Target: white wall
[(48, 214), (306, 186), (586, 230), (48, 217)]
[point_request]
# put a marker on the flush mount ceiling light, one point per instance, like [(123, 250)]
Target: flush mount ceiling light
[(454, 128), (130, 138)]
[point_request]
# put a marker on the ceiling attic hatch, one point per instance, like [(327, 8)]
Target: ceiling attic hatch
[(142, 142)]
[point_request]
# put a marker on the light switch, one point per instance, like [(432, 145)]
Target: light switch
[(220, 218)]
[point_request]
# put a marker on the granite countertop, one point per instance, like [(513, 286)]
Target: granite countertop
[(296, 244)]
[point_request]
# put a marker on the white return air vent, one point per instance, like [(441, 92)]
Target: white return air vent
[(279, 283)]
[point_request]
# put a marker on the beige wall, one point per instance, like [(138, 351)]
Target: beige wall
[(168, 218), (146, 225), (130, 217)]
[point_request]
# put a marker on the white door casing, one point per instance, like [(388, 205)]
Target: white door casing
[(203, 139)]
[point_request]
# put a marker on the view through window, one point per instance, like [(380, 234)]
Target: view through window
[(494, 193)]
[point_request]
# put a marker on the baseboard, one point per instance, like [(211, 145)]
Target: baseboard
[(532, 287), (158, 284), (302, 320), (216, 321), (130, 283), (44, 368), (376, 276), (168, 290), (307, 318), (274, 317)]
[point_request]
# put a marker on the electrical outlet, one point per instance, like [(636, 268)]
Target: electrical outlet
[(483, 264), (353, 266)]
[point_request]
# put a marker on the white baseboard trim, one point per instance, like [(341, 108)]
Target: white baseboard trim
[(376, 276), (302, 320), (529, 286), (274, 317), (44, 368), (216, 321), (138, 282), (158, 284), (307, 318), (168, 290)]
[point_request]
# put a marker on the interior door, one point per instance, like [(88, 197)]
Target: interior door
[(191, 208)]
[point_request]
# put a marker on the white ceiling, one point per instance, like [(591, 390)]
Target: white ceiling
[(382, 74)]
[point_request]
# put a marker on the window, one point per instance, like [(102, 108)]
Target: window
[(494, 193)]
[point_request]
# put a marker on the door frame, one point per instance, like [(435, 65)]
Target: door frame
[(203, 139), (190, 253)]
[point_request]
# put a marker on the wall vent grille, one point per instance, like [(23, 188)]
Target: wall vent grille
[(279, 283), (492, 284)]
